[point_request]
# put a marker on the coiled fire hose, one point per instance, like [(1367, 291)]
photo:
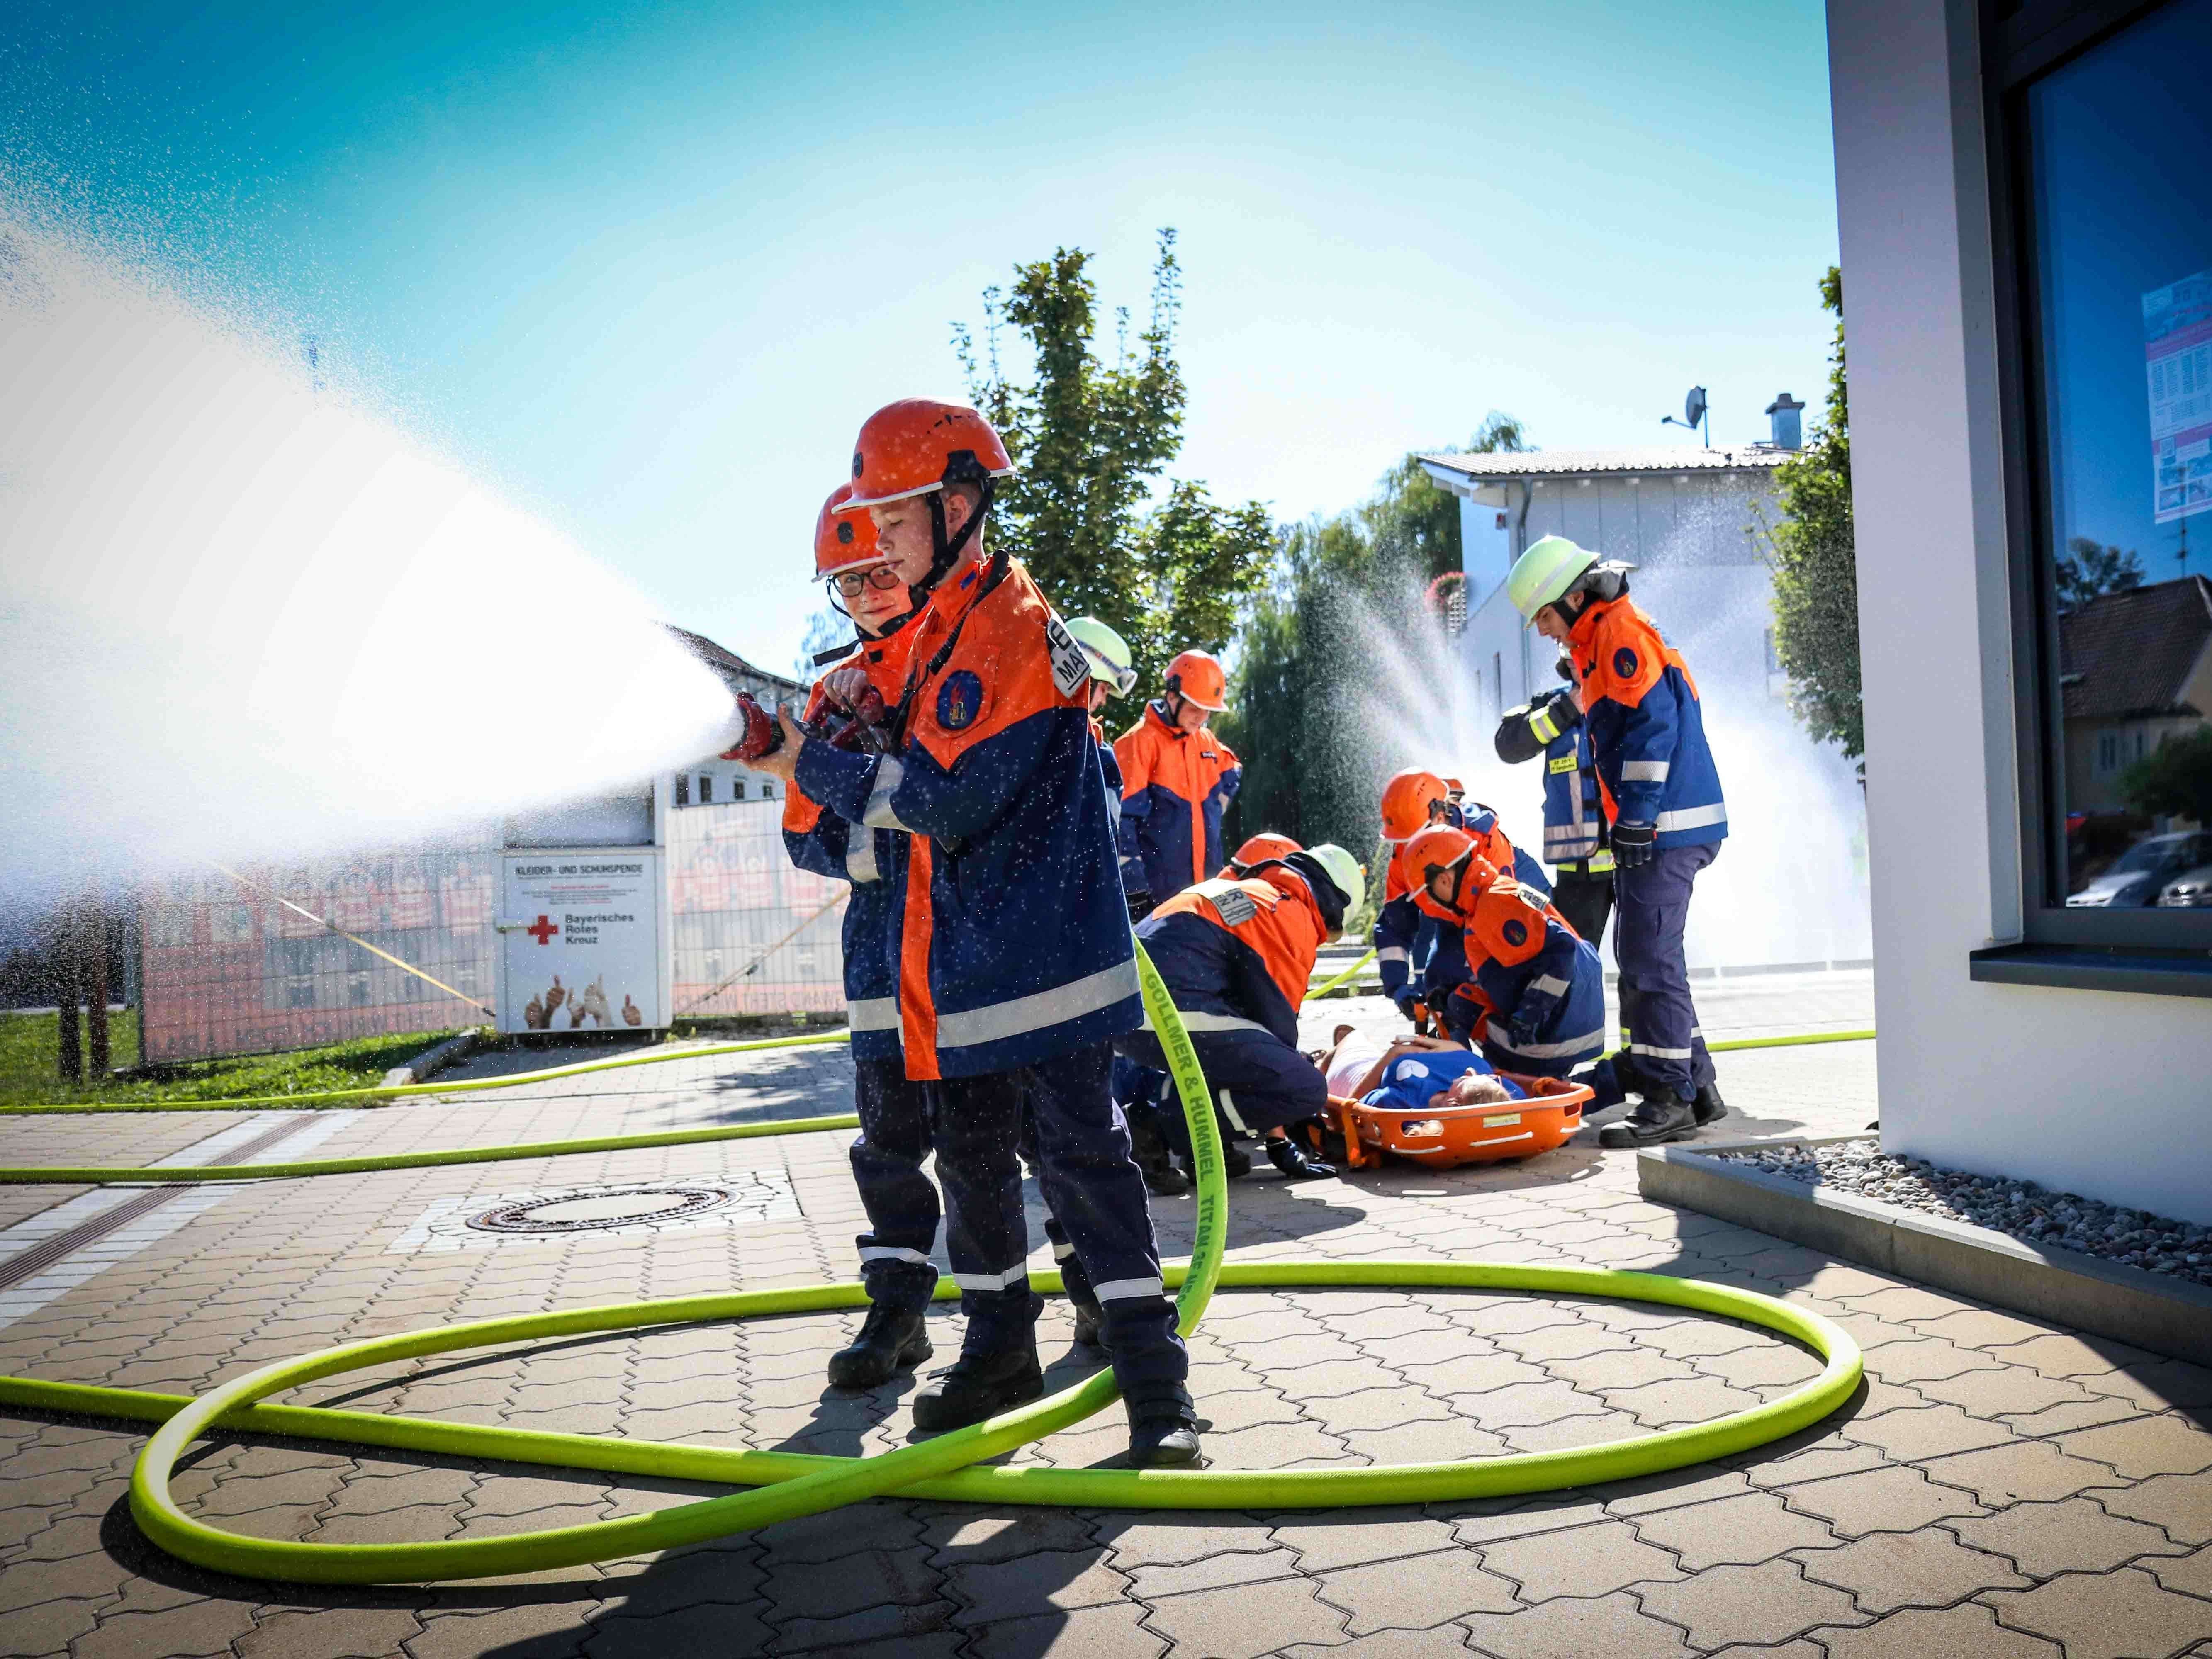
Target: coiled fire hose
[(786, 1486)]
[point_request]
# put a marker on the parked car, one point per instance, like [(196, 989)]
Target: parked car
[(2191, 890), (2137, 877)]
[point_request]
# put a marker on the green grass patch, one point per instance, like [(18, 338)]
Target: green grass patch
[(30, 1045)]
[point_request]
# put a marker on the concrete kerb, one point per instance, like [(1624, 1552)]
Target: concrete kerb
[(2107, 1298), (431, 1062)]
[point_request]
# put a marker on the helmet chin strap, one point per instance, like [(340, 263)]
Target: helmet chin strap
[(949, 546)]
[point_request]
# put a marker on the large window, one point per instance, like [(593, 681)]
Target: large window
[(2105, 127)]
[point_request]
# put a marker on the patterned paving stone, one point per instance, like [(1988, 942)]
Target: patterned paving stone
[(2180, 1503), (1886, 1570), (1967, 1632), (2145, 1446), (1055, 1580), (1586, 1561), (1913, 1432), (1885, 1499), (1211, 1572), (2030, 1469), (1445, 1642), (2105, 1616), (2191, 1574), (339, 1632), (1142, 1538), (1346, 1538), (710, 1627), (1102, 1633), (1248, 1620), (2074, 1535), (1767, 1603), (1568, 1628), (202, 1628), (48, 1626), (1743, 1530), (1414, 1591)]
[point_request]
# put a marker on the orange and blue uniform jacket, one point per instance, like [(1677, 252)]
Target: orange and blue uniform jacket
[(829, 845), (1407, 940), (1647, 732), (1536, 997), (1174, 786), (1009, 936), (1236, 955)]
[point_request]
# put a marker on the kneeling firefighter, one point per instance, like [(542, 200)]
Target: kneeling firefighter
[(1661, 795), (1574, 817), (1009, 935), (1536, 997), (1238, 956)]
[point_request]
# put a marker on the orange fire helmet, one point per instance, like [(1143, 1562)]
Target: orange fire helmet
[(1197, 677), (1407, 799), (919, 445), (844, 541), (1441, 847), (1454, 789), (1258, 850)]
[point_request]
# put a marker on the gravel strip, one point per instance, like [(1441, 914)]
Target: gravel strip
[(2035, 1214)]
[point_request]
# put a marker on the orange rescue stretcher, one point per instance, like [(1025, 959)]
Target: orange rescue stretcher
[(1492, 1133)]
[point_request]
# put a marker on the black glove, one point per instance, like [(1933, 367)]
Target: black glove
[(1140, 906), (1408, 1000), (1526, 731), (1632, 843), (1295, 1162)]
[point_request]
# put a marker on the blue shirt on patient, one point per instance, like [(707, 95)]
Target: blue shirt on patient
[(1410, 1079)]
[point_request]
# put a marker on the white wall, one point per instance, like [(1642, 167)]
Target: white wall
[(2100, 1093)]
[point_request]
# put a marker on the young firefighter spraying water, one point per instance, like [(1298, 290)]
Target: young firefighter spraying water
[(1237, 955), (1009, 934), (1662, 798), (1176, 778)]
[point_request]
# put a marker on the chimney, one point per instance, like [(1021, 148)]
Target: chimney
[(1788, 433)]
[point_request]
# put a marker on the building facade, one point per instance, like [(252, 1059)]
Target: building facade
[(2026, 225), (1790, 888)]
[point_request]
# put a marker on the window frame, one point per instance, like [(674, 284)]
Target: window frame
[(2019, 50)]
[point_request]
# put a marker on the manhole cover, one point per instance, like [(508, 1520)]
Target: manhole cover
[(579, 1212)]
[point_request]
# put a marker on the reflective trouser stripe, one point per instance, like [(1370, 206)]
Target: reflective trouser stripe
[(1550, 985), (1205, 1022), (1229, 1111), (1660, 1053), (893, 1252), (1693, 817), (1005, 1281), (1061, 1252), (1122, 1290), (1391, 953)]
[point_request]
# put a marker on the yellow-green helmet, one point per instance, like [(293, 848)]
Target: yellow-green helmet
[(1344, 869), (1108, 652), (1544, 574)]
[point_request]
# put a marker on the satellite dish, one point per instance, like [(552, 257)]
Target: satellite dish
[(1693, 406)]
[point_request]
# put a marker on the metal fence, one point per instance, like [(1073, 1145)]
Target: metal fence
[(223, 969)]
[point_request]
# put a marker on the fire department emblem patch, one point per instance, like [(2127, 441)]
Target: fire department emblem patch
[(1623, 663), (1516, 932), (959, 699)]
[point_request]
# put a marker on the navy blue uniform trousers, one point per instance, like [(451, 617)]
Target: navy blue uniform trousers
[(1652, 908), (1094, 1190)]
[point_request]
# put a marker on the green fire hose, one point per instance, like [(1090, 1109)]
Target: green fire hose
[(784, 1486)]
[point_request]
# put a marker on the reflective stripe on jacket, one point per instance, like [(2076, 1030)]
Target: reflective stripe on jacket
[(1647, 732), (1175, 784), (1574, 817), (830, 844), (1009, 936), (1236, 955)]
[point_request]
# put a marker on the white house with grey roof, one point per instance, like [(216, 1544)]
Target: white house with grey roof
[(1789, 888)]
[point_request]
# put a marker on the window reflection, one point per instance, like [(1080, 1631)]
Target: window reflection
[(2120, 144)]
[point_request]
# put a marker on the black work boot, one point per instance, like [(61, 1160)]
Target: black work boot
[(1162, 1432), (1295, 1162), (1156, 1160), (978, 1385), (890, 1340), (1089, 1324), (1709, 1105), (1663, 1117), (1235, 1160)]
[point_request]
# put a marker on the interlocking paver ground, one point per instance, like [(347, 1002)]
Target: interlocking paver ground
[(2002, 1487)]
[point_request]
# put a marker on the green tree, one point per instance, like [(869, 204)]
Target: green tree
[(2174, 779), (2087, 570), (1090, 509), (1815, 563)]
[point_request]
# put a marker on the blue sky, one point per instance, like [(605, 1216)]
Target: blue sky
[(648, 266)]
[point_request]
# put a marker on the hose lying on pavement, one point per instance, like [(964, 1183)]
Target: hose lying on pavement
[(786, 1485)]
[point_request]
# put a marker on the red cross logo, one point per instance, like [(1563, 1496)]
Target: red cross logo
[(542, 932)]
